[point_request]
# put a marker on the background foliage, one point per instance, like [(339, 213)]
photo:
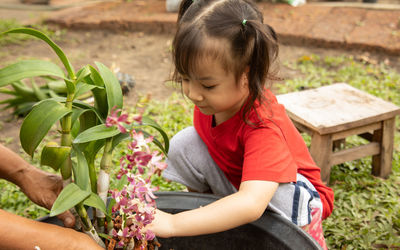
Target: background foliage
[(367, 209)]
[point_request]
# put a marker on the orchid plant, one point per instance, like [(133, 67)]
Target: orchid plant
[(86, 129), (135, 202)]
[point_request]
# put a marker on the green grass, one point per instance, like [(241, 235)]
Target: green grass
[(367, 208)]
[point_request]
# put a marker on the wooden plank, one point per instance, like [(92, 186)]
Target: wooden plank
[(366, 136), (359, 123), (336, 107), (354, 153), (321, 150), (356, 131), (382, 164)]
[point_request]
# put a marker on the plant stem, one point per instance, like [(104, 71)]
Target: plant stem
[(92, 175), (106, 159), (66, 139), (87, 224), (66, 170), (103, 181)]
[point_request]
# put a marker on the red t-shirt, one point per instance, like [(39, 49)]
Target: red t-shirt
[(272, 150)]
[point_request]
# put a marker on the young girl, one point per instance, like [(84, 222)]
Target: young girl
[(243, 145)]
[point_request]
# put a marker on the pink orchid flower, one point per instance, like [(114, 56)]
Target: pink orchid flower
[(118, 120)]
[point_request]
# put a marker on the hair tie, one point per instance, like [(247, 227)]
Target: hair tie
[(244, 22)]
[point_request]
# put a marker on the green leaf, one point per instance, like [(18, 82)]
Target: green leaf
[(68, 198), (81, 170), (80, 105), (70, 86), (105, 236), (54, 155), (113, 88), (82, 88), (76, 113), (46, 39), (40, 94), (87, 120), (92, 148), (110, 205), (149, 122), (52, 94), (95, 78), (119, 138), (24, 109), (82, 114), (75, 129), (28, 68), (8, 92), (96, 133), (100, 101), (58, 86), (23, 90), (95, 201), (82, 73), (38, 122)]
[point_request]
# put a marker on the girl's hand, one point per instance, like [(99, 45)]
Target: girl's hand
[(240, 208), (162, 224)]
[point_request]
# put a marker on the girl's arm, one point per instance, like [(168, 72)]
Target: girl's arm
[(17, 232), (242, 207)]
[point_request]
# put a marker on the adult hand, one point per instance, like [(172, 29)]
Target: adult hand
[(43, 188)]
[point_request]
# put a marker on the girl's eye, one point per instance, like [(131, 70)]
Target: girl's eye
[(208, 87)]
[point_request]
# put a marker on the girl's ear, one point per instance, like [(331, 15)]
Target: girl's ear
[(244, 81)]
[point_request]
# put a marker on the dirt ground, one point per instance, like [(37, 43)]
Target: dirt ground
[(146, 57)]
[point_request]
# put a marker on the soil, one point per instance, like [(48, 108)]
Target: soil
[(146, 57)]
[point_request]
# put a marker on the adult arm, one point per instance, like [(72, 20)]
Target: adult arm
[(17, 232), (242, 207), (40, 187)]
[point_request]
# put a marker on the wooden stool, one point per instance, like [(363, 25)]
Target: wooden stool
[(329, 114)]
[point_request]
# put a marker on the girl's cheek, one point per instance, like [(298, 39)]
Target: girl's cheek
[(185, 91), (184, 88)]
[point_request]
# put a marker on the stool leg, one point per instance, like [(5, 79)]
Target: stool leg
[(321, 151), (339, 144), (382, 163)]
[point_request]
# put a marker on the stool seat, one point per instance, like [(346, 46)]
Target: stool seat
[(331, 113)]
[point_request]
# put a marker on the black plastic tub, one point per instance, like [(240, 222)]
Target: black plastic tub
[(271, 231)]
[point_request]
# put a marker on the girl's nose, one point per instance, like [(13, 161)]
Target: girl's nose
[(193, 92)]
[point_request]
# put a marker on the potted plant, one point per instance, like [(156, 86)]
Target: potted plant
[(85, 129)]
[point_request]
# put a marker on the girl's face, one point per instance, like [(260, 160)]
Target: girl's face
[(215, 91)]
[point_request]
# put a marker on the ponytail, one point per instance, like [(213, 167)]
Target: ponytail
[(185, 4), (264, 53)]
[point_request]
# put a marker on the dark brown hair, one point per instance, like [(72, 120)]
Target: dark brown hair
[(253, 44)]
